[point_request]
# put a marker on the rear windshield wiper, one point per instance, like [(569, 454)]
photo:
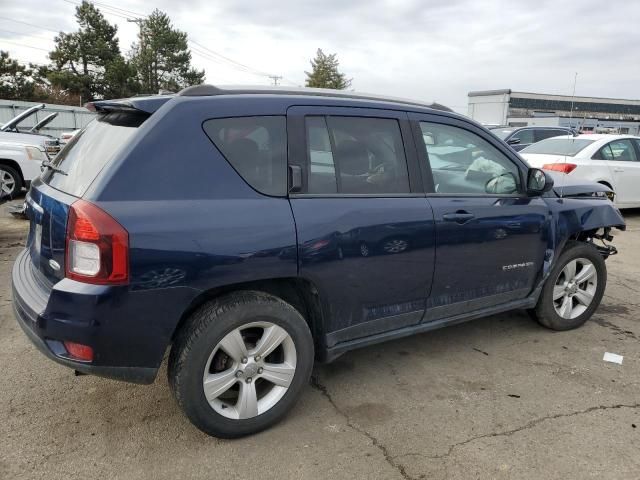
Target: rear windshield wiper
[(47, 164)]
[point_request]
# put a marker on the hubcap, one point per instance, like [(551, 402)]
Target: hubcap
[(7, 183), (250, 370), (575, 288)]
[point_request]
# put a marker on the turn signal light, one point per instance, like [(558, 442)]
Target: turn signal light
[(560, 167)]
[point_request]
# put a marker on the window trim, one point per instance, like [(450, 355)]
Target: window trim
[(425, 164), (298, 147)]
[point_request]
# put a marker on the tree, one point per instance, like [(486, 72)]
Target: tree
[(16, 80), (88, 62), (161, 57), (325, 74)]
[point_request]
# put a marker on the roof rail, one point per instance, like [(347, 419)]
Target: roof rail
[(205, 90)]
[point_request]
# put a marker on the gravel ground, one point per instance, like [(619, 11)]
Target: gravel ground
[(498, 398)]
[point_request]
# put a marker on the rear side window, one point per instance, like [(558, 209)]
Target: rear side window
[(544, 134), (525, 136), (356, 155), (83, 158), (256, 147)]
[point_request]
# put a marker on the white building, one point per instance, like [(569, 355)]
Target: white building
[(590, 114)]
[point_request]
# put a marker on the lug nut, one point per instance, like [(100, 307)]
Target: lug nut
[(238, 373), (257, 358), (248, 380), (260, 370), (244, 360)]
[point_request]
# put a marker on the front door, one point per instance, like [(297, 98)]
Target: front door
[(365, 230), (491, 238)]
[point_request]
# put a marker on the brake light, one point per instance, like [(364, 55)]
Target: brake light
[(79, 351), (97, 249), (560, 167)]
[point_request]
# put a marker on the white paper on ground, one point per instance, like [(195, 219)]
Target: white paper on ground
[(613, 358)]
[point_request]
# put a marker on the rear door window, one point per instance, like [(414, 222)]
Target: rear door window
[(83, 158), (356, 155), (543, 134), (623, 151), (256, 147)]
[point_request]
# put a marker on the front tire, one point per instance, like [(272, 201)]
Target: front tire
[(240, 363), (10, 182), (574, 288)]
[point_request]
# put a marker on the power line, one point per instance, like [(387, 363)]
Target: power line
[(30, 24), (25, 45), (115, 14)]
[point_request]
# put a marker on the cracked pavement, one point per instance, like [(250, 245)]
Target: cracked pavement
[(499, 397)]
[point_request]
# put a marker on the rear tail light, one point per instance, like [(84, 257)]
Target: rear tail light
[(79, 351), (97, 246), (560, 167)]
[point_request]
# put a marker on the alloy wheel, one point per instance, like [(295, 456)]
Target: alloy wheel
[(250, 370), (7, 183), (575, 288)]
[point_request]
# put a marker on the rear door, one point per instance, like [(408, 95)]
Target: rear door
[(365, 230), (624, 163), (491, 238)]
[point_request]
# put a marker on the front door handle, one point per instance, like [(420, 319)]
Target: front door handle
[(618, 169), (461, 216)]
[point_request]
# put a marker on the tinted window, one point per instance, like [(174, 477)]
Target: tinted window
[(82, 159), (463, 162), (502, 132), (356, 155), (623, 151), (604, 153), (256, 147), (544, 134), (558, 146), (525, 136)]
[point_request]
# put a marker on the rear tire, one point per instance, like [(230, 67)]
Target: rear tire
[(574, 288), (10, 182), (230, 397)]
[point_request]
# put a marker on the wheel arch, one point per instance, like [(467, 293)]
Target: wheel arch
[(13, 164), (301, 293)]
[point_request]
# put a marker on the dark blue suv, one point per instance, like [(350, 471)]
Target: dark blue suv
[(252, 232)]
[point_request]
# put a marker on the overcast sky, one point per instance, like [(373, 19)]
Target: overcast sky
[(423, 49)]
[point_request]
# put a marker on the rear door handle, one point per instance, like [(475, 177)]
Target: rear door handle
[(618, 169), (461, 216)]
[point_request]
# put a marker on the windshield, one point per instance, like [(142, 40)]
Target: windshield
[(81, 160), (559, 146), (502, 132)]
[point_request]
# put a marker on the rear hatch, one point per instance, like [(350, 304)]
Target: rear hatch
[(66, 179)]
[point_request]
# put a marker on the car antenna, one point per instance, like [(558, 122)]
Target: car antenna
[(573, 139)]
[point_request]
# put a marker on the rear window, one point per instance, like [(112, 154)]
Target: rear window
[(256, 147), (558, 146), (83, 158)]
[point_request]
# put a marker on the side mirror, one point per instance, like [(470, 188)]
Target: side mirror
[(538, 181), (513, 141)]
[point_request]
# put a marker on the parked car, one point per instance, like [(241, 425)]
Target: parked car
[(612, 160), (19, 165), (521, 137), (247, 260), (11, 131)]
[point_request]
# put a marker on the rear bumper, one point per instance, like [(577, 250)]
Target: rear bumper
[(33, 311)]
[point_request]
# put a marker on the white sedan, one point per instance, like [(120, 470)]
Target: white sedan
[(613, 160)]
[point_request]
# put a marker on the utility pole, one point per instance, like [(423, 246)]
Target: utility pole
[(276, 79), (140, 23)]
